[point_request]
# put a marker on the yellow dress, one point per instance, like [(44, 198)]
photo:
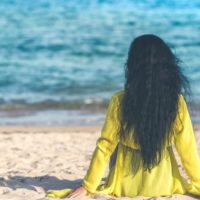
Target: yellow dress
[(164, 179)]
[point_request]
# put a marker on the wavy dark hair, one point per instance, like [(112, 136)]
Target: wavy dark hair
[(153, 83)]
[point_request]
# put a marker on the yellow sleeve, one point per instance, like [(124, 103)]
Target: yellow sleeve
[(105, 146), (186, 146)]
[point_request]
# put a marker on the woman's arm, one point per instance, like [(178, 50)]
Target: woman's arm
[(105, 146), (186, 146)]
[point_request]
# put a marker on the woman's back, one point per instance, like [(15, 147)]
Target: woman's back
[(127, 177), (177, 123)]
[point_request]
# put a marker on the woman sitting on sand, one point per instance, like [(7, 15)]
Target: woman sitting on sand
[(142, 123)]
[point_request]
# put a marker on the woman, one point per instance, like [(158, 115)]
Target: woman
[(143, 121)]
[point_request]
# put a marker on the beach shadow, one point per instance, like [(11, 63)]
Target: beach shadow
[(46, 183), (33, 183), (193, 196)]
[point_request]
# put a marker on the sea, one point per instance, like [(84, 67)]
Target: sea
[(61, 60)]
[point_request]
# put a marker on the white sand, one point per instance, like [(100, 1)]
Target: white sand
[(35, 159)]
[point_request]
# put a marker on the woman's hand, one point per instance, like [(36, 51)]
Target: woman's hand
[(78, 192)]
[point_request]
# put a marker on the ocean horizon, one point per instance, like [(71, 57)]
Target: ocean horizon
[(60, 61)]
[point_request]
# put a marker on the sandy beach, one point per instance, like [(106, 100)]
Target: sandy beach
[(36, 159)]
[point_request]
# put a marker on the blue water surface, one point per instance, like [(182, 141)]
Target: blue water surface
[(62, 55)]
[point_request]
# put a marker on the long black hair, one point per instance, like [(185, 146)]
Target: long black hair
[(154, 81)]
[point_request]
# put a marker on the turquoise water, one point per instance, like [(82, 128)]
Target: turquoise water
[(63, 58)]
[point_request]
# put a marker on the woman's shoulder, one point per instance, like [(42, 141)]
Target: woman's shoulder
[(120, 93), (181, 97), (117, 96), (182, 101), (182, 105)]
